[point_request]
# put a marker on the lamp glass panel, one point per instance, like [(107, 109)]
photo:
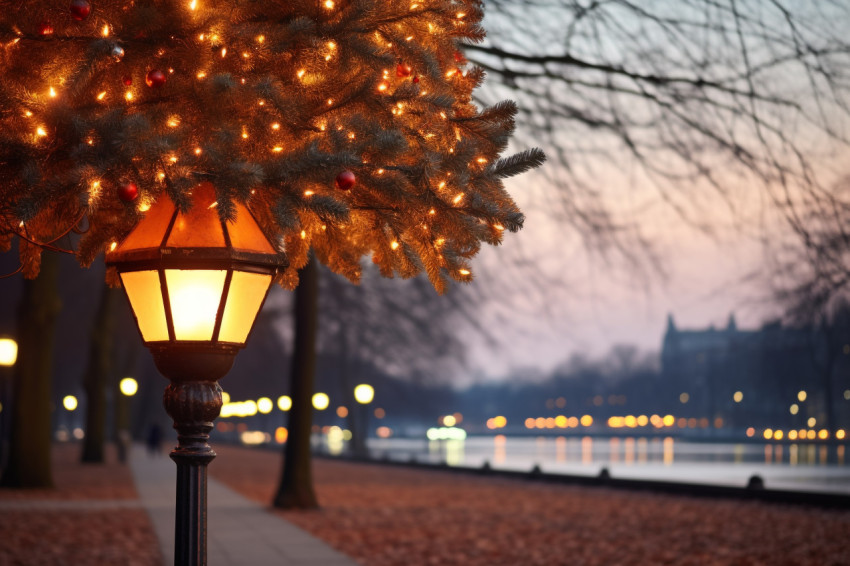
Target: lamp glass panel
[(143, 289), (247, 291), (150, 232), (245, 233), (194, 296)]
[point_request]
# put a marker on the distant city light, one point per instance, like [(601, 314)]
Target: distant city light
[(794, 409), (284, 402), (341, 412), (69, 402), (768, 434), (684, 398), (751, 432), (265, 405), (8, 352), (823, 434), (777, 435), (801, 396), (225, 397), (446, 433), (840, 434), (669, 420), (847, 394), (364, 393), (128, 386), (281, 434), (384, 432), (321, 401), (380, 413), (586, 420), (812, 422), (254, 437), (738, 396), (449, 420)]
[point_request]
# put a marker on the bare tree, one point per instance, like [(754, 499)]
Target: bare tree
[(737, 102)]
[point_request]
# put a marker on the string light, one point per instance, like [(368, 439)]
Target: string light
[(193, 5), (129, 95), (105, 30), (41, 132), (329, 4), (394, 245), (101, 96)]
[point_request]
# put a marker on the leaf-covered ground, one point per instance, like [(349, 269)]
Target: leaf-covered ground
[(394, 516), (77, 531)]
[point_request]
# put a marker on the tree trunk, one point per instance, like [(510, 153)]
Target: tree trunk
[(97, 377), (296, 485), (29, 450)]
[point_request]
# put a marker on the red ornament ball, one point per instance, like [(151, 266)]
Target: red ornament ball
[(128, 192), (80, 9), (416, 79), (345, 181), (403, 70), (45, 28), (155, 78), (127, 80)]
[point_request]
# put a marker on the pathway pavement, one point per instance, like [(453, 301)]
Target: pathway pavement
[(239, 532)]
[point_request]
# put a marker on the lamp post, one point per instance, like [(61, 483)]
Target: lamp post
[(195, 285), (8, 357)]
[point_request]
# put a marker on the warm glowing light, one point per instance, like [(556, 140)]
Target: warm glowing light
[(794, 409), (394, 245), (792, 435), (265, 405), (201, 75), (777, 435), (321, 401), (193, 5), (277, 149), (52, 92), (128, 386), (261, 39), (801, 396), (329, 4), (823, 434), (195, 297), (223, 52), (384, 432), (284, 402), (105, 31), (69, 402), (364, 393), (41, 132), (812, 422), (449, 420), (751, 432), (464, 271), (382, 87), (738, 396), (840, 434), (500, 421), (768, 434), (684, 398), (198, 151), (112, 246), (458, 198), (281, 435), (586, 420), (102, 95), (8, 352), (225, 397), (128, 95)]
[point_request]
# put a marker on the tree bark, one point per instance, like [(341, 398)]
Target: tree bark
[(29, 450), (296, 485), (97, 377)]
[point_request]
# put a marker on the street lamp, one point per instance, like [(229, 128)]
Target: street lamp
[(195, 285), (8, 357)]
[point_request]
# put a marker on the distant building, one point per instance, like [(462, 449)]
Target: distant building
[(766, 368)]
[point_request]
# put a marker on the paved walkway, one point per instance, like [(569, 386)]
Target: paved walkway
[(239, 532)]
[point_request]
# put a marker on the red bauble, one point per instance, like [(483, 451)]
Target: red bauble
[(459, 57), (80, 9), (127, 80), (345, 181), (403, 70), (45, 28), (416, 79), (128, 192), (155, 78)]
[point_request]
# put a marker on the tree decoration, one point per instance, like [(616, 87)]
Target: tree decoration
[(268, 102), (80, 9), (45, 28), (155, 78), (128, 191), (117, 52), (345, 181)]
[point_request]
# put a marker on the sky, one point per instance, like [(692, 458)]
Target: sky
[(550, 296)]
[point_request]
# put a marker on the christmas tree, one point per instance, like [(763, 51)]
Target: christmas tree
[(346, 126)]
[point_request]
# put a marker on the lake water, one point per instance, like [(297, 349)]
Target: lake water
[(803, 466)]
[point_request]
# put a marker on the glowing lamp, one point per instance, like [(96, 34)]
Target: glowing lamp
[(364, 393), (196, 285), (128, 386), (8, 352)]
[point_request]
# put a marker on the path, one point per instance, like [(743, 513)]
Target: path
[(239, 532)]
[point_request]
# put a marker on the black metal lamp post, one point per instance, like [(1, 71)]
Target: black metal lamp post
[(195, 285)]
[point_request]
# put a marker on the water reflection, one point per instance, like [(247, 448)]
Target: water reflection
[(668, 451)]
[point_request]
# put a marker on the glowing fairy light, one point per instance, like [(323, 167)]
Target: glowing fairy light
[(52, 92), (128, 95), (193, 5), (464, 271), (201, 75), (303, 235), (309, 193), (301, 73), (112, 246), (101, 96), (223, 52), (394, 245), (275, 126), (277, 149), (105, 31), (40, 132), (261, 39), (329, 4), (458, 198)]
